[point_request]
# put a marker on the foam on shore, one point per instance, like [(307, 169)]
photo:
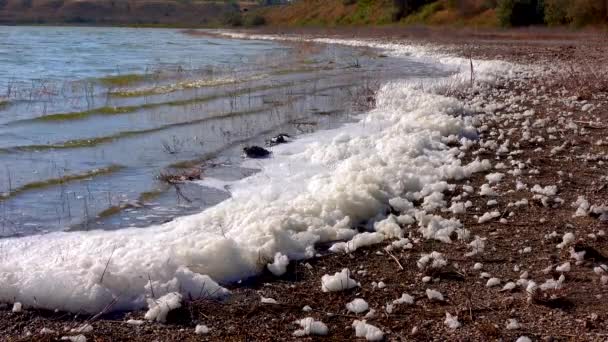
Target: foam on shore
[(315, 189)]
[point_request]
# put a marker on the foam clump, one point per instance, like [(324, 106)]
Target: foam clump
[(201, 329), (340, 281), (357, 305), (158, 309), (368, 331), (358, 241), (310, 326), (451, 321), (279, 266)]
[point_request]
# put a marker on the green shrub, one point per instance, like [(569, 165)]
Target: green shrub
[(256, 20), (403, 8), (587, 12), (234, 19), (471, 7), (425, 12), (520, 12), (556, 12)]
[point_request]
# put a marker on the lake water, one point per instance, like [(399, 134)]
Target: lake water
[(91, 117)]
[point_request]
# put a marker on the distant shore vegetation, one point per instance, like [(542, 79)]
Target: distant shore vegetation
[(480, 13), (320, 13)]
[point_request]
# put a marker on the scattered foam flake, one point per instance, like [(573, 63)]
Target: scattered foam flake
[(488, 216), (267, 300), (404, 299), (567, 239), (495, 178), (451, 321), (478, 266), (340, 281), (310, 326), (493, 282), (512, 324), (389, 228), (83, 329), (159, 308), (523, 339), (370, 314), (201, 329), (135, 322), (578, 256), (547, 269), (279, 266), (17, 307), (358, 241), (582, 207), (358, 305), (434, 295), (601, 269), (550, 190), (478, 245), (75, 338), (552, 284), (433, 260), (565, 267), (402, 243), (509, 286), (370, 332), (457, 208), (486, 190)]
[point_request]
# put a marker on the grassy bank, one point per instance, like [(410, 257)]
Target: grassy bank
[(470, 13)]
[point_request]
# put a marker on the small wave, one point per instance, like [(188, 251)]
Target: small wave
[(81, 115), (60, 180)]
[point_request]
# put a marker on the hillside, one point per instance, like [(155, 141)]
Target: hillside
[(331, 12), (118, 12), (474, 13)]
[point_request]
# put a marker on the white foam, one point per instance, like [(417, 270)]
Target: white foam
[(279, 266), (215, 183), (159, 308), (340, 281), (370, 332), (315, 189), (310, 327), (357, 305)]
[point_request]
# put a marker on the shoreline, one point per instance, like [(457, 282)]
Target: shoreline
[(482, 311)]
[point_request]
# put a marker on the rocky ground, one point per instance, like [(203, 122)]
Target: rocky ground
[(536, 262)]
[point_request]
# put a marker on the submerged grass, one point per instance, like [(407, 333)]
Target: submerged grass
[(85, 114), (126, 93), (61, 180), (122, 80), (59, 117), (143, 197), (91, 142)]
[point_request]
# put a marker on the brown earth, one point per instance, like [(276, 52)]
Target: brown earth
[(557, 153)]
